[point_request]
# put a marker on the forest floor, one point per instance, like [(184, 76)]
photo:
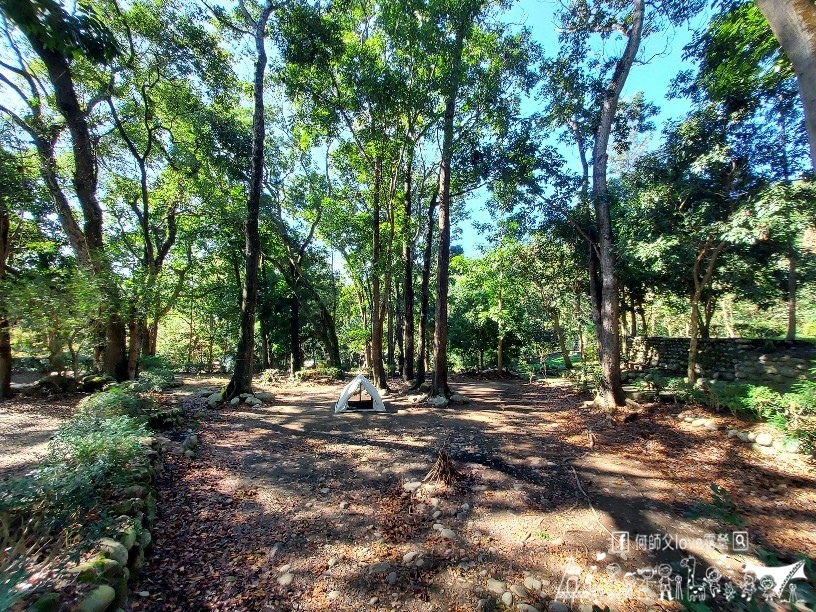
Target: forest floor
[(291, 507)]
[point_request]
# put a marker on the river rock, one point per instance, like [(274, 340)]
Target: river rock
[(495, 586), (97, 600), (532, 583), (764, 439)]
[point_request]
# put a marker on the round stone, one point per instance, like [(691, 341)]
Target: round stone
[(507, 598), (286, 579)]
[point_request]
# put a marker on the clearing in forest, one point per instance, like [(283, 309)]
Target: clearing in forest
[(289, 506)]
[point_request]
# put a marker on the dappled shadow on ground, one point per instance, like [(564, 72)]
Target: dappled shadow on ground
[(546, 479), (26, 427)]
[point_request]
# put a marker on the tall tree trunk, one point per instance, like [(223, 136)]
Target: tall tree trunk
[(265, 346), (5, 328), (408, 280), (86, 242), (791, 332), (134, 346), (425, 298), (728, 316), (241, 381), (377, 318), (608, 339), (440, 375), (500, 347), (391, 337), (295, 364), (793, 22), (399, 330)]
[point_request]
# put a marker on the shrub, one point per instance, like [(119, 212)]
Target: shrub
[(155, 362), (587, 376), (319, 374), (270, 376), (114, 401)]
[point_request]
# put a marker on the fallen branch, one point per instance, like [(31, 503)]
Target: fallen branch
[(591, 507)]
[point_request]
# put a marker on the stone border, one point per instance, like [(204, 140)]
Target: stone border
[(762, 441), (119, 558)]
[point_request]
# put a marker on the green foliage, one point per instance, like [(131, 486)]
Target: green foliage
[(319, 374), (270, 376), (722, 508), (684, 391), (156, 380), (587, 376), (114, 401)]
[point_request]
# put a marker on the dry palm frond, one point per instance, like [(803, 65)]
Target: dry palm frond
[(443, 470)]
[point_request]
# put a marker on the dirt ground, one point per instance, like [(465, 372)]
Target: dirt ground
[(26, 427), (290, 507)]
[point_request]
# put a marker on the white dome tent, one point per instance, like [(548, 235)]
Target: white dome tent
[(357, 384)]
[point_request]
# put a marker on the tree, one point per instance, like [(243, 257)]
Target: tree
[(631, 21), (56, 37), (241, 381), (793, 23)]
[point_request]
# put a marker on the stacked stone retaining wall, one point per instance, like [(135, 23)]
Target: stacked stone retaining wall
[(774, 363)]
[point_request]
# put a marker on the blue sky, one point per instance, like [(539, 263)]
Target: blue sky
[(653, 79)]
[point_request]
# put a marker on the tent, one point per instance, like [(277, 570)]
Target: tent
[(360, 382)]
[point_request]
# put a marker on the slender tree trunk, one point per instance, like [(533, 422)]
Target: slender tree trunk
[(793, 22), (440, 343), (701, 282), (408, 282), (377, 317), (399, 330), (5, 328), (562, 342), (390, 337), (91, 249), (241, 381), (134, 346), (265, 346), (608, 339), (791, 332), (295, 364), (425, 299), (728, 318), (5, 356)]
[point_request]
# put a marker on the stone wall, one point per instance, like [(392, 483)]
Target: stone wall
[(774, 363)]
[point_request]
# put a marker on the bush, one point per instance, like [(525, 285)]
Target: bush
[(154, 381), (319, 374), (114, 401), (270, 376), (155, 362), (587, 376), (86, 456)]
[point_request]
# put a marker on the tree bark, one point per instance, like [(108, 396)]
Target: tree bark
[(425, 295), (791, 331), (241, 381), (5, 328), (440, 374), (408, 280), (377, 318), (608, 338), (134, 346), (295, 364), (793, 22), (562, 343), (86, 242), (700, 283)]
